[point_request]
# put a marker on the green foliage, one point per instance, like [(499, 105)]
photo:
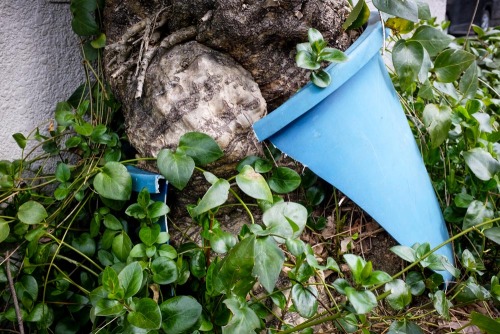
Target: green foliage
[(91, 255), (310, 56)]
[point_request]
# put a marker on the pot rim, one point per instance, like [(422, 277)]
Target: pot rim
[(359, 54)]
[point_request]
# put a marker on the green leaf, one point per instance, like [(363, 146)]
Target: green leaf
[(201, 147), (121, 246), (108, 307), (221, 241), (31, 213), (253, 184), (269, 259), (158, 209), (314, 37), (362, 301), (198, 264), (416, 283), (305, 299), (167, 251), (295, 246), (424, 12), (284, 180), (485, 323), (441, 304), (307, 60), (437, 120), (404, 327), (84, 129), (407, 57), (404, 252), (111, 284), (279, 217), (111, 222), (63, 174), (235, 272), (481, 163), (333, 55), (400, 296), (146, 315), (42, 314), (477, 213), (180, 314), (321, 79), (243, 321), (131, 279), (469, 82), (20, 140), (177, 168), (432, 39), (83, 23), (149, 234), (164, 270), (406, 9), (358, 16), (215, 196), (99, 42), (64, 114), (357, 265), (491, 233), (85, 244), (27, 290), (114, 182), (4, 230), (399, 25), (450, 63)]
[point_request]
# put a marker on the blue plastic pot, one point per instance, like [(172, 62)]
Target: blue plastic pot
[(155, 184), (355, 135)]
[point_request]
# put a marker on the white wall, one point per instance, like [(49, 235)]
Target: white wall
[(39, 66)]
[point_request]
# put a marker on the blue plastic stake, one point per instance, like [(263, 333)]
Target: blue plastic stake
[(355, 135)]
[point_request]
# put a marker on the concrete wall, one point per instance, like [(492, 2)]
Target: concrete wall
[(39, 66)]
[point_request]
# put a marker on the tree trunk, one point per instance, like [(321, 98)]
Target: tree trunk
[(214, 66)]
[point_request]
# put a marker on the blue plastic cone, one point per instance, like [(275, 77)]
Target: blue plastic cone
[(354, 134)]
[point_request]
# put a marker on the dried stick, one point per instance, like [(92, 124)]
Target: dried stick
[(175, 38), (14, 295)]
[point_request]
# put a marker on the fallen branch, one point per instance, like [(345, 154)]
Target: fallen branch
[(14, 295)]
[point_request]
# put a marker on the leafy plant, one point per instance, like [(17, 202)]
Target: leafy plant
[(310, 56)]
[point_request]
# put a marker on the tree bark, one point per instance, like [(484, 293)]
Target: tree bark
[(214, 66)]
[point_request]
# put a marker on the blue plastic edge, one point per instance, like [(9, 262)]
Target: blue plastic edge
[(362, 50)]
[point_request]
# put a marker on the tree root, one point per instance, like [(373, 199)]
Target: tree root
[(171, 40), (148, 28)]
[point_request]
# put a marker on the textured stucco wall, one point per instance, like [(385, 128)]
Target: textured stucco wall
[(39, 66)]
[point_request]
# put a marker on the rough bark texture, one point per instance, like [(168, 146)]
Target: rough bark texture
[(213, 66)]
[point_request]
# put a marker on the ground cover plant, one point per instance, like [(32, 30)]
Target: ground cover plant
[(80, 253)]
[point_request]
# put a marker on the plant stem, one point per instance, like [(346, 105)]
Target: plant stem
[(14, 295), (243, 204)]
